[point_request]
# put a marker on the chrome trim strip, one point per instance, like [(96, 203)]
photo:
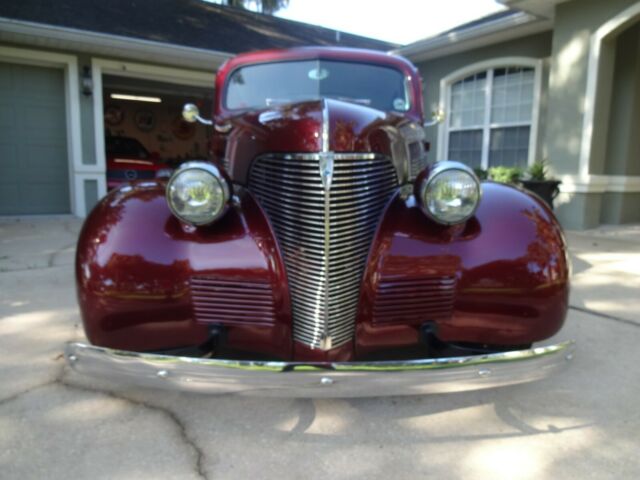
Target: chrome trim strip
[(327, 159), (316, 156), (324, 147), (317, 380)]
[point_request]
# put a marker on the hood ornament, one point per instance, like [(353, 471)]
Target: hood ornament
[(327, 160)]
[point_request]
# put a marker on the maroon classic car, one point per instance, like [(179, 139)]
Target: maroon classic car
[(318, 252)]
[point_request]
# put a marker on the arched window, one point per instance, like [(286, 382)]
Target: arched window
[(491, 114)]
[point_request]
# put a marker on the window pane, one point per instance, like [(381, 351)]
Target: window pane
[(512, 95), (467, 101), (511, 102), (466, 147), (509, 147)]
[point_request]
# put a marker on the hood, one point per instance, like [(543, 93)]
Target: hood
[(307, 127)]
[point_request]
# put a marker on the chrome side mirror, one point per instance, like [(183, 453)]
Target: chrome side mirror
[(191, 114), (437, 116)]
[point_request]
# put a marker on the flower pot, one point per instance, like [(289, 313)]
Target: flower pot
[(545, 189)]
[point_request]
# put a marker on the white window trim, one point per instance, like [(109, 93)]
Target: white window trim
[(445, 98), (101, 66), (600, 184), (69, 64)]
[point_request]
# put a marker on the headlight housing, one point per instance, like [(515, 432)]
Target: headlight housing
[(197, 193), (449, 193)]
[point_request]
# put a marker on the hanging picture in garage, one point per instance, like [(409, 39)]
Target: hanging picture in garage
[(182, 130), (113, 115), (145, 120)]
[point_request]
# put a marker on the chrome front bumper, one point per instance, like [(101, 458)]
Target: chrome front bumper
[(313, 380)]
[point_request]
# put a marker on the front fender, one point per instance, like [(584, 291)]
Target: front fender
[(148, 282), (502, 278)]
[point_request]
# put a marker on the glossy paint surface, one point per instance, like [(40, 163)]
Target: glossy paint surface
[(242, 135), (297, 128), (509, 262), (136, 261)]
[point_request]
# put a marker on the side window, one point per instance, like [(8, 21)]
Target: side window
[(490, 117)]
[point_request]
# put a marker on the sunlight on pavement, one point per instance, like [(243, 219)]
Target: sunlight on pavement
[(510, 462)]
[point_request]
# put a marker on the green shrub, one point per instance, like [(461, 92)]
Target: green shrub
[(538, 171), (505, 174), (481, 173)]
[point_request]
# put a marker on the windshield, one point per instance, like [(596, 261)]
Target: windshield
[(265, 85)]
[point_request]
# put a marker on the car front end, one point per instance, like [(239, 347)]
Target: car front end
[(319, 253)]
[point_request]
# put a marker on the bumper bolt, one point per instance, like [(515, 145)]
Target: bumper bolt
[(73, 359), (484, 372), (162, 373), (569, 356)]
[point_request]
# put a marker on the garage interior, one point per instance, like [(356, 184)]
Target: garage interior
[(150, 113)]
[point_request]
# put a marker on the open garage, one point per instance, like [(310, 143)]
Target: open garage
[(145, 134)]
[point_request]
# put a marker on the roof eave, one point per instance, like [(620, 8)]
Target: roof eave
[(514, 26), (83, 41), (541, 8)]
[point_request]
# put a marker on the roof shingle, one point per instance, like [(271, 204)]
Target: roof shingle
[(189, 23)]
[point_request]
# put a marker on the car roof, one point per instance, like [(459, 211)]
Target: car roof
[(329, 53)]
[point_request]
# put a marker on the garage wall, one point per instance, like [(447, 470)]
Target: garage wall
[(169, 136)]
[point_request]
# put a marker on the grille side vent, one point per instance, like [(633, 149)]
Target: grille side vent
[(232, 302), (414, 300), (417, 158), (324, 234)]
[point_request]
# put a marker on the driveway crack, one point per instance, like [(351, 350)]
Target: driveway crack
[(57, 379), (16, 396), (54, 255), (604, 315), (198, 466), (181, 428)]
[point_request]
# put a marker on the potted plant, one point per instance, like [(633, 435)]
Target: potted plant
[(537, 181), (505, 174)]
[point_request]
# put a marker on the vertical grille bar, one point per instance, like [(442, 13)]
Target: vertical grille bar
[(324, 260)]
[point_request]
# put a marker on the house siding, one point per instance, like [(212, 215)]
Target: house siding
[(575, 23), (623, 144), (432, 71)]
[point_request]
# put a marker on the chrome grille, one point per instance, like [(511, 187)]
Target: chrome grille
[(324, 233)]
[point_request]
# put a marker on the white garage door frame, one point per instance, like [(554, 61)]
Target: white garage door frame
[(69, 64), (101, 66)]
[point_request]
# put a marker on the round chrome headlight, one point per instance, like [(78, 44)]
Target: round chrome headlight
[(450, 193), (197, 193)]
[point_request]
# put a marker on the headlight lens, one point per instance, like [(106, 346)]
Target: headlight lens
[(197, 193), (450, 193)]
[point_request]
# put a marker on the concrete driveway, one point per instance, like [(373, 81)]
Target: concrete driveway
[(54, 424)]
